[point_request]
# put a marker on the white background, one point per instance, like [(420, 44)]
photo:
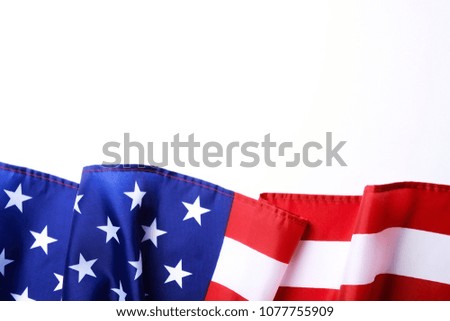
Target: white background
[(75, 75)]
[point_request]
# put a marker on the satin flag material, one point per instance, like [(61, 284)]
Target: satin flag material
[(144, 233), (35, 217), (392, 243)]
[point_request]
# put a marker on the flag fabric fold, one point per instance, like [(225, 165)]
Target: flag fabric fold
[(35, 219), (144, 233), (134, 232), (393, 243)]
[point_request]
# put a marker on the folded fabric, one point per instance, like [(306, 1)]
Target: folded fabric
[(135, 232), (138, 233), (35, 219), (147, 233), (393, 243)]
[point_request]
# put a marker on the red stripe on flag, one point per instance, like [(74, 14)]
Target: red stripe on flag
[(260, 240), (392, 213), (385, 287), (264, 228), (396, 287), (306, 294), (218, 292), (420, 206), (331, 218)]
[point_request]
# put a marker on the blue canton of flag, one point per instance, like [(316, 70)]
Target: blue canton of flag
[(137, 233), (35, 217), (144, 234)]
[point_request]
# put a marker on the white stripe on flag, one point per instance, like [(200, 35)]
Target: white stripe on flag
[(399, 251), (247, 272), (317, 264)]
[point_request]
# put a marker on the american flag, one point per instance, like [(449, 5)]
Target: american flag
[(35, 219), (143, 233), (139, 233), (391, 243)]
